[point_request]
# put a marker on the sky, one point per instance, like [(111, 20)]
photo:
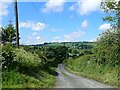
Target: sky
[(55, 20)]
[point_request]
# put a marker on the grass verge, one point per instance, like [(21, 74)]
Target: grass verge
[(64, 74), (86, 68), (14, 79)]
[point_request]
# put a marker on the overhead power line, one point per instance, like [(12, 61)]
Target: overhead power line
[(38, 12)]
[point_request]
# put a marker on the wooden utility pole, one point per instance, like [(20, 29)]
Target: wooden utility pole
[(119, 16), (17, 26)]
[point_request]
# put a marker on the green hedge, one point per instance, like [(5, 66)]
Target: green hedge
[(87, 66), (22, 69)]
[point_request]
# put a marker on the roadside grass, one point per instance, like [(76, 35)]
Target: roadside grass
[(22, 69), (85, 67), (64, 74), (14, 79)]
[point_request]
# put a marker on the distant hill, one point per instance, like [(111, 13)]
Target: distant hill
[(68, 44)]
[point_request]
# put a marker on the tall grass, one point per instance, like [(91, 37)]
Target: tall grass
[(87, 66), (14, 79)]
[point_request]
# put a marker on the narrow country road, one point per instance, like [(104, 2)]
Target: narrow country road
[(68, 80)]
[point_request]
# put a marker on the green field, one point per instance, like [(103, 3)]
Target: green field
[(67, 44)]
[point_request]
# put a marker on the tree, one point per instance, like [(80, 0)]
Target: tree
[(8, 34), (113, 10), (58, 53), (108, 44), (61, 53), (107, 48)]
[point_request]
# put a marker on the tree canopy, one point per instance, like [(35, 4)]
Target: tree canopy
[(112, 8), (8, 34), (108, 44)]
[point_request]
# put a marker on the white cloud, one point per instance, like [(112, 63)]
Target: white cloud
[(84, 24), (59, 40), (85, 7), (4, 5), (104, 26), (56, 37), (34, 26), (34, 34), (73, 36), (34, 39), (93, 40), (55, 30), (38, 38), (73, 7), (54, 5), (6, 1)]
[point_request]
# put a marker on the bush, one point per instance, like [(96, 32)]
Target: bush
[(107, 48), (22, 69), (26, 58), (8, 56), (18, 58)]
